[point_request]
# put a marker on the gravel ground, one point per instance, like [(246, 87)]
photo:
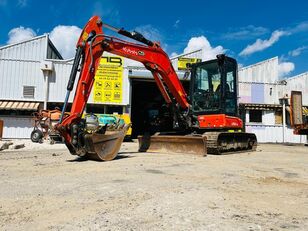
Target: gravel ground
[(43, 187)]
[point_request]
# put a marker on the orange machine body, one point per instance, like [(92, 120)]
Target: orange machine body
[(219, 121)]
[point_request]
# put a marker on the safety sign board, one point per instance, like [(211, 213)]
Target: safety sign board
[(108, 80)]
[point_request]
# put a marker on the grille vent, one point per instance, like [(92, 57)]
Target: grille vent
[(28, 91)]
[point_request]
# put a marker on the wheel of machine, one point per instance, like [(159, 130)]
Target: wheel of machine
[(36, 136)]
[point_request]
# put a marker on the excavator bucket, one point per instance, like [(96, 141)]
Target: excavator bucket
[(188, 144), (105, 146)]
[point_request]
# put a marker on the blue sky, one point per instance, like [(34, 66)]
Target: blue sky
[(249, 31)]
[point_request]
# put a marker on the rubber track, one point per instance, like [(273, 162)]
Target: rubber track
[(230, 142)]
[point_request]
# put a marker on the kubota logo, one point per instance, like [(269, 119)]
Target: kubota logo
[(129, 51)]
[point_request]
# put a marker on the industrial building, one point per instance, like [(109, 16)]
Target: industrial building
[(33, 76)]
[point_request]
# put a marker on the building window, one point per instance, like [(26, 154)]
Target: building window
[(28, 92), (255, 116)]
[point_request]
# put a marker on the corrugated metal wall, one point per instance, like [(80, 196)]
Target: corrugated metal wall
[(298, 83), (14, 74), (258, 83), (17, 127), (274, 134), (33, 49), (270, 132), (58, 81), (262, 72)]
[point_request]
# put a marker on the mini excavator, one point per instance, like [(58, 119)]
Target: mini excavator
[(205, 121)]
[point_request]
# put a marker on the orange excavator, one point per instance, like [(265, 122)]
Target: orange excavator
[(204, 122)]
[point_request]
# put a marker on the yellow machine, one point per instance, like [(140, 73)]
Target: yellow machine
[(114, 118)]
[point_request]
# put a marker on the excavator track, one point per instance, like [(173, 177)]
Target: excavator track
[(230, 142)]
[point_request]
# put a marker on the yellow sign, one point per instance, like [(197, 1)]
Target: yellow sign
[(108, 80), (182, 62)]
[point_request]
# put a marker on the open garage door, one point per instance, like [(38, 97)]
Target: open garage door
[(146, 103)]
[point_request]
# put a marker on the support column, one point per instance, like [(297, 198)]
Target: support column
[(46, 88), (283, 121)]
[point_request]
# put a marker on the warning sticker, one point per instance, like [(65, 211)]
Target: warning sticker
[(108, 80)]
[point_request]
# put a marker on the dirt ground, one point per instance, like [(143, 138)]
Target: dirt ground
[(46, 188)]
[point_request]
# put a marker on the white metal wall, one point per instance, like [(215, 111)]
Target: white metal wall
[(14, 74), (33, 49), (17, 127), (298, 83), (58, 81), (258, 83), (262, 72), (269, 132), (274, 134)]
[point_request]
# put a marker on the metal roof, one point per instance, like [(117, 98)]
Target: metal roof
[(36, 49), (19, 105)]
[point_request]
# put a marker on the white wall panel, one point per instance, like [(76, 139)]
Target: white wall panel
[(262, 72), (17, 127), (33, 49), (298, 83), (14, 74), (274, 134)]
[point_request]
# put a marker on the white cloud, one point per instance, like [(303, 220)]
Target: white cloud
[(149, 32), (202, 42), (297, 51), (19, 34), (243, 33), (261, 45), (301, 27), (285, 68), (176, 24), (173, 54), (65, 39)]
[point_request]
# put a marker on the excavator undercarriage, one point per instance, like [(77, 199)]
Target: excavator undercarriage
[(199, 144)]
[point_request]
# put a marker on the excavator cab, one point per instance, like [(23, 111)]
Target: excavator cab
[(214, 87)]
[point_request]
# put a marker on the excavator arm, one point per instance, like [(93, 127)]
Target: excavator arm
[(90, 47)]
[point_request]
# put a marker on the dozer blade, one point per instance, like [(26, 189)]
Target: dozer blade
[(188, 144), (105, 146)]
